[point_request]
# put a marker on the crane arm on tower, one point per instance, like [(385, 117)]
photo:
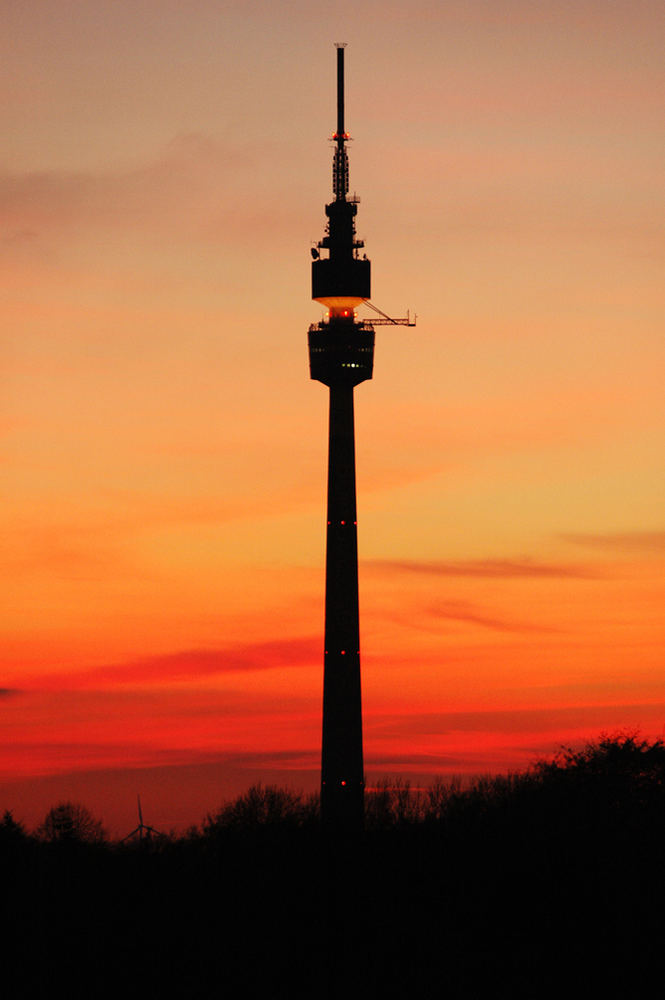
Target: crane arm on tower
[(388, 320)]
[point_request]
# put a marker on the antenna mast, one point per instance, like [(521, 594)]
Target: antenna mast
[(341, 159)]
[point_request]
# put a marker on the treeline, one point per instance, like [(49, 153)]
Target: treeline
[(616, 779), (528, 884)]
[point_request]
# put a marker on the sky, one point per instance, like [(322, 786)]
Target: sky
[(164, 174)]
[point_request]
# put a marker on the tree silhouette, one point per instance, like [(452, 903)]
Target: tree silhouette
[(11, 832), (71, 822), (619, 757), (392, 802), (262, 806)]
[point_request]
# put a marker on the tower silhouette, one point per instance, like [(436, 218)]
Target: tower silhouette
[(341, 355)]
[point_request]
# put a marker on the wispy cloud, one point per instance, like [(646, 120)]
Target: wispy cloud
[(193, 663), (621, 541), (417, 760), (513, 721), (294, 758), (183, 188), (42, 758), (463, 611), (491, 568)]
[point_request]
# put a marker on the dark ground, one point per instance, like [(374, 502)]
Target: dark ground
[(546, 883)]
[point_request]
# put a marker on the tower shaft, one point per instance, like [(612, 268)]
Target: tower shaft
[(342, 746)]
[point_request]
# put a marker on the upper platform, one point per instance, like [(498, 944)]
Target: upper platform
[(341, 281)]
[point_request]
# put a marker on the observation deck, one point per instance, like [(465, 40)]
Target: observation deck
[(341, 351)]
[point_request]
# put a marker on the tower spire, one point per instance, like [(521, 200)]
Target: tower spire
[(341, 281), (341, 355), (341, 159)]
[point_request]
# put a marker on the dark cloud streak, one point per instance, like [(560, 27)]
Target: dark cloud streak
[(488, 568), (281, 654), (621, 541), (518, 720), (182, 190), (461, 611)]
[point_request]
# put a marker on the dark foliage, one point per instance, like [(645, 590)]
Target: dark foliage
[(527, 885), (12, 834), (70, 822), (264, 806)]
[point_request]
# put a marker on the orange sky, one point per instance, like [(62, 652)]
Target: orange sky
[(164, 174)]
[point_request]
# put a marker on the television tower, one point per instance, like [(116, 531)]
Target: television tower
[(341, 355)]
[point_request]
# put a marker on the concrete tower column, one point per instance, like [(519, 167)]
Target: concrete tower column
[(342, 744)]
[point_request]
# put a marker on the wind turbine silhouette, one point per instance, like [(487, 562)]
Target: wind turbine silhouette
[(142, 829)]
